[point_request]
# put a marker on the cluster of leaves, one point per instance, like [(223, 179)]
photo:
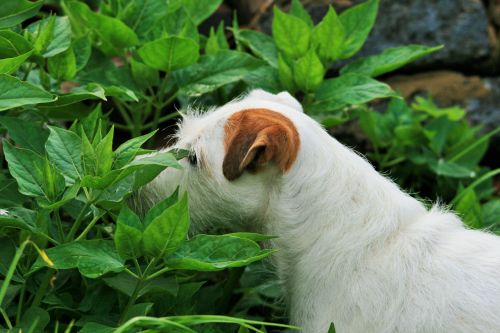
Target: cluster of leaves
[(73, 256), (436, 153)]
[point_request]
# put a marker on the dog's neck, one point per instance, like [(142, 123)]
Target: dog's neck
[(332, 216)]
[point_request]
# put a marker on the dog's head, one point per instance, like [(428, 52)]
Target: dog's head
[(239, 152)]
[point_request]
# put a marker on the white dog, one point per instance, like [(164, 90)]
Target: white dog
[(354, 249)]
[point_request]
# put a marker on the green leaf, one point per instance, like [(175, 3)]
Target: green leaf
[(14, 50), (265, 77), (308, 72), (168, 230), (169, 53), (91, 327), (285, 73), (291, 34), (26, 134), (215, 71), (213, 253), (63, 65), (469, 209), (199, 11), (53, 35), (104, 153), (82, 47), (166, 159), (143, 15), (261, 45), (15, 93), (349, 89), (298, 10), (27, 168), (178, 23), (128, 234), (112, 35), (426, 105), (212, 44), (358, 21), (328, 37), (14, 12), (129, 149), (34, 319), (91, 91), (11, 219), (93, 258), (144, 76), (64, 149), (449, 169), (491, 213), (389, 60)]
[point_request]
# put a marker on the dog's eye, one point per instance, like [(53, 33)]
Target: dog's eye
[(192, 159)]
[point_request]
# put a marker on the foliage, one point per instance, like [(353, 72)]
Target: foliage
[(76, 82)]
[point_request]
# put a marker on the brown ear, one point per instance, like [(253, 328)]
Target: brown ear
[(256, 137)]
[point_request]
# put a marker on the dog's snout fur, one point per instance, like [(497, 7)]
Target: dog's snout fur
[(354, 249)]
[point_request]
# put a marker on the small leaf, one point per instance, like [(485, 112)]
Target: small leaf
[(128, 234), (53, 35), (357, 21), (199, 11), (469, 209), (213, 253), (64, 149), (26, 134), (129, 149), (298, 10), (15, 93), (169, 53), (215, 71), (349, 89), (285, 73), (63, 65), (389, 60), (308, 72), (168, 230), (93, 258), (291, 34), (261, 45), (14, 50), (16, 11), (104, 153), (329, 36)]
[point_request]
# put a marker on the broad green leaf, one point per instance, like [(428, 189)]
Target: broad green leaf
[(169, 53), (199, 11), (112, 35), (215, 71), (469, 209), (291, 34), (349, 89), (27, 168), (10, 219), (213, 253), (357, 21), (491, 212), (436, 131), (143, 15), (450, 169), (160, 207), (177, 23), (166, 159), (144, 76), (92, 258), (389, 60), (91, 91), (53, 35), (285, 73), (15, 93), (14, 12), (125, 283), (328, 37), (104, 153), (261, 45), (265, 77), (64, 149), (26, 134), (298, 10), (91, 327), (167, 231), (308, 72), (14, 50), (63, 65), (53, 182), (129, 149), (70, 194), (426, 105), (9, 193), (34, 319), (82, 47), (128, 234)]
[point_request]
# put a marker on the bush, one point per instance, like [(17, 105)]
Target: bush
[(75, 257)]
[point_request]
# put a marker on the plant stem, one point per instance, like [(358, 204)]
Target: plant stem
[(57, 217), (87, 228), (43, 288), (78, 221), (6, 318), (478, 181), (20, 304), (152, 124), (157, 273), (131, 300), (12, 268)]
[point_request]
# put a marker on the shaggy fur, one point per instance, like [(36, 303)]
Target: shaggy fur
[(354, 249)]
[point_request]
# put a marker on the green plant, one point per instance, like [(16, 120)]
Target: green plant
[(73, 255), (435, 152)]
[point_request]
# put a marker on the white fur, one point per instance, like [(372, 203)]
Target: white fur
[(354, 249)]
